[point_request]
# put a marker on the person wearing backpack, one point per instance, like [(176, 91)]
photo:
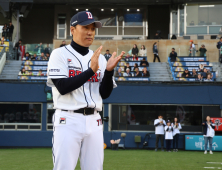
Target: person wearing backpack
[(208, 134)]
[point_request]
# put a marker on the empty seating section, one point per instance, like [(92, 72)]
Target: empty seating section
[(190, 63)]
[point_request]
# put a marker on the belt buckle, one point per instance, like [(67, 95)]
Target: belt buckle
[(84, 113)]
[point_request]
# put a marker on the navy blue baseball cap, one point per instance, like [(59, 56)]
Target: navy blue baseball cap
[(84, 18)]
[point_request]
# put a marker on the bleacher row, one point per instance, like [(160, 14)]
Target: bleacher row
[(189, 63)]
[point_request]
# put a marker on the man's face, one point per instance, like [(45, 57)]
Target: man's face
[(137, 70), (127, 70), (205, 70), (199, 76), (47, 55), (40, 44), (194, 71), (127, 65), (83, 35), (27, 54), (34, 55), (107, 52), (119, 70), (42, 54), (186, 71), (173, 50), (20, 42), (221, 40)]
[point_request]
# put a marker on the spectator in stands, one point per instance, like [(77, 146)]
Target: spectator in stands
[(194, 73), (135, 50), (173, 37), (208, 77), (119, 73), (137, 72), (4, 30), (40, 48), (27, 56), (127, 66), (208, 136), (156, 36), (30, 73), (199, 77), (173, 55), (202, 50), (135, 58), (155, 52), (47, 56), (219, 44), (40, 73), (10, 31), (23, 72), (2, 43), (144, 62), (204, 73), (192, 49), (63, 44), (201, 67), (47, 49), (159, 131), (192, 23), (41, 57), (142, 51), (34, 57), (107, 55), (127, 57), (135, 66), (2, 39), (186, 73), (17, 46), (145, 72), (127, 74)]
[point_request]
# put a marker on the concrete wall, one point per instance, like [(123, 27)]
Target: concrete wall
[(164, 46)]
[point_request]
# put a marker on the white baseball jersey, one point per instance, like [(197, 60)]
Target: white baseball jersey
[(65, 62), (169, 133), (159, 130)]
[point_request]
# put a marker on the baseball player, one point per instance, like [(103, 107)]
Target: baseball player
[(80, 79)]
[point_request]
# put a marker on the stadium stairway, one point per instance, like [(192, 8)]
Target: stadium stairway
[(217, 67), (159, 72), (11, 69)]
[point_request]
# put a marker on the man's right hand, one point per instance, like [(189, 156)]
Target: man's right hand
[(95, 60)]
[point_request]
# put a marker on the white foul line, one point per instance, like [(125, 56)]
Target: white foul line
[(214, 162), (213, 167)]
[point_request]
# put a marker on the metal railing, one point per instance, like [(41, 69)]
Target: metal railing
[(2, 51)]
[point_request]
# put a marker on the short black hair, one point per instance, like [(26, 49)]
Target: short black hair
[(173, 48), (20, 39), (47, 53), (107, 50)]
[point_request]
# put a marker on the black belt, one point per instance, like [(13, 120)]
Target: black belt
[(84, 111)]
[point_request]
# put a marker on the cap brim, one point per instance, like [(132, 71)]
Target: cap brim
[(98, 24)]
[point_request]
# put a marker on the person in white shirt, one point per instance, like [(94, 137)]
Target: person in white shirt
[(168, 135), (159, 131), (176, 132), (192, 49), (142, 51), (208, 134)]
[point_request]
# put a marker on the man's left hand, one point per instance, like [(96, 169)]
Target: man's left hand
[(113, 61)]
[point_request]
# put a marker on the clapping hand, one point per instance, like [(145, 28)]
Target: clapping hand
[(113, 61)]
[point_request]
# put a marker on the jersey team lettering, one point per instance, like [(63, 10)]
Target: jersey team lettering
[(94, 78)]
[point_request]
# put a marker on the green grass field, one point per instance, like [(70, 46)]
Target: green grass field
[(41, 159)]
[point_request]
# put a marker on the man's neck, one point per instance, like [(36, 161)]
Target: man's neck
[(80, 49)]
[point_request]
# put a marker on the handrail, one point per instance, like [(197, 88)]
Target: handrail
[(2, 52)]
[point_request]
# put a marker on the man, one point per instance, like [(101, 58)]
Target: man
[(145, 72), (173, 55), (157, 36), (137, 72), (107, 55), (186, 73), (27, 56), (80, 79), (159, 131), (47, 49), (10, 31), (40, 48), (63, 44), (17, 46), (219, 46), (144, 62), (194, 73), (127, 66), (202, 50), (119, 73), (34, 57), (127, 74), (41, 57), (204, 73)]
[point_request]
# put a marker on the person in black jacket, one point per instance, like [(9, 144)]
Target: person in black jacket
[(219, 44), (144, 62), (127, 66), (208, 136), (135, 50), (137, 72), (17, 46), (10, 31), (173, 55), (145, 72), (186, 73)]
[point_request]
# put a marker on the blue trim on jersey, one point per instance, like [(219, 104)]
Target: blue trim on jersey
[(90, 88), (82, 71)]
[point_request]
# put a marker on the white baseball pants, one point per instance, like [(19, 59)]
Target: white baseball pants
[(77, 136)]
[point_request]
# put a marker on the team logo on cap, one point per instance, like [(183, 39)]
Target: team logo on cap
[(89, 15), (62, 120)]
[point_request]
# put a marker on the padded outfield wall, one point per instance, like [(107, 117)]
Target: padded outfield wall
[(137, 93)]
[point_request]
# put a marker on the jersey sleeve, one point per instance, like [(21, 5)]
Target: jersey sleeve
[(57, 67)]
